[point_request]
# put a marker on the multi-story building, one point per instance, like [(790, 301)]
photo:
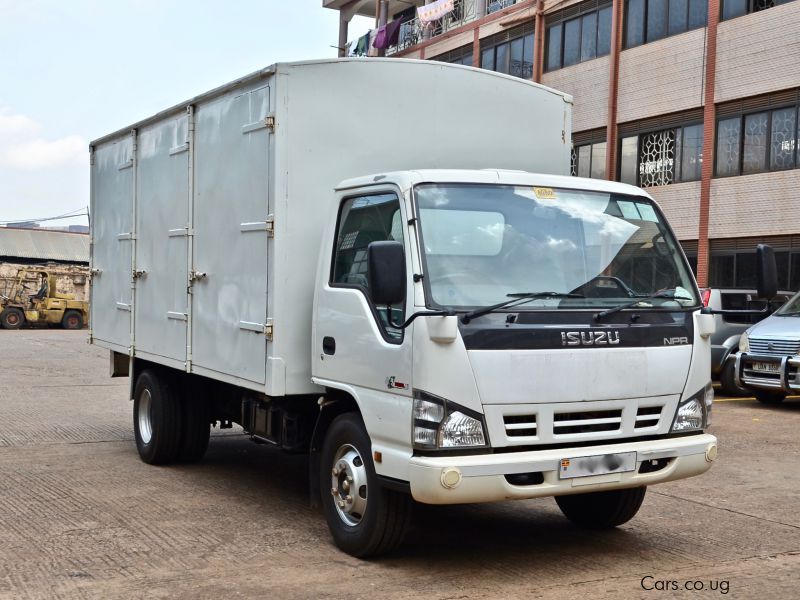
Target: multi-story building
[(695, 100)]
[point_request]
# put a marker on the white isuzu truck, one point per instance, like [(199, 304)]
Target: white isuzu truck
[(354, 259)]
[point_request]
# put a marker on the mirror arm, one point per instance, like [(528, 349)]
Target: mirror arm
[(424, 313)]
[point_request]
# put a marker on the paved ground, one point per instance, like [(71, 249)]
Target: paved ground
[(82, 516)]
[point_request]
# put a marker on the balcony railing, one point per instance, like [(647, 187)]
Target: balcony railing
[(413, 32)]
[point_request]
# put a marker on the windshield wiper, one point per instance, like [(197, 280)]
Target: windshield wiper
[(670, 293), (516, 299)]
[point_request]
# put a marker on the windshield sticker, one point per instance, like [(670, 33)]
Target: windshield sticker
[(543, 193), (629, 210)]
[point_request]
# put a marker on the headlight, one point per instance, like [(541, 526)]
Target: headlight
[(439, 423), (744, 343), (694, 413)]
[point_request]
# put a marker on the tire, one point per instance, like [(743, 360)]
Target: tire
[(376, 519), (769, 397), (602, 510), (156, 417), (196, 426), (727, 381), (12, 318), (72, 319)]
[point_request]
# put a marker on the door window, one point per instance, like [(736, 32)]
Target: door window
[(362, 220)]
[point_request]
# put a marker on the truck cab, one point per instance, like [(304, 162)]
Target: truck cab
[(504, 335)]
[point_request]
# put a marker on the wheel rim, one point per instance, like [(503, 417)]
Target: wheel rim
[(12, 318), (72, 322), (349, 485), (145, 423)]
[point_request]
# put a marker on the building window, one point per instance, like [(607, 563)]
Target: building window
[(495, 5), (737, 8), (513, 57), (575, 36), (651, 20), (662, 157), (737, 269), (589, 160), (459, 56), (757, 142)]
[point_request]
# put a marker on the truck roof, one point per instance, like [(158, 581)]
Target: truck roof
[(406, 179), (276, 67)]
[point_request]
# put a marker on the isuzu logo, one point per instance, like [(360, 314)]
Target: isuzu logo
[(589, 338)]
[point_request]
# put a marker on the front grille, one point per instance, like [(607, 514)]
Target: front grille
[(587, 421), (648, 416), (770, 347), (520, 425)]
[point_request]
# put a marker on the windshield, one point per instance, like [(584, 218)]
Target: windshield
[(791, 308), (484, 242)]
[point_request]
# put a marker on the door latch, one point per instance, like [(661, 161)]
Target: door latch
[(197, 275)]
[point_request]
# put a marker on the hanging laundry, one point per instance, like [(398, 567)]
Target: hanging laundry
[(363, 44), (387, 35), (371, 51), (393, 32), (349, 49), (435, 10)]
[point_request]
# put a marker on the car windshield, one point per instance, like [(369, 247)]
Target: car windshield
[(482, 243), (791, 308)]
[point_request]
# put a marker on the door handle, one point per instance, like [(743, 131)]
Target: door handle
[(329, 345)]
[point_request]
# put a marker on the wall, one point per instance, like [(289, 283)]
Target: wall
[(755, 205), (71, 279), (587, 82), (681, 205), (661, 77), (758, 53)]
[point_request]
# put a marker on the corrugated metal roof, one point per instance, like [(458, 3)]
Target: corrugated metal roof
[(44, 245)]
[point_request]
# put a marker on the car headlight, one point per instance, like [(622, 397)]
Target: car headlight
[(440, 423), (744, 343), (694, 413)]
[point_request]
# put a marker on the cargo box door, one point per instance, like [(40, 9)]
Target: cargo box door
[(231, 212), (162, 234), (112, 234)]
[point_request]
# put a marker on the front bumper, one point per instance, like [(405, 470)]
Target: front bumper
[(786, 378), (482, 478)]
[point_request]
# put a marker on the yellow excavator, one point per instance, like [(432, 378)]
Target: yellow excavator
[(45, 305)]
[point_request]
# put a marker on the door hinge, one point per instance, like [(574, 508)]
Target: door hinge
[(268, 329), (270, 123)]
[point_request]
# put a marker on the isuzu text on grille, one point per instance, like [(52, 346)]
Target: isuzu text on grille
[(589, 338)]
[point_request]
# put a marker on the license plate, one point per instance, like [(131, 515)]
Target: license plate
[(602, 464), (767, 367)]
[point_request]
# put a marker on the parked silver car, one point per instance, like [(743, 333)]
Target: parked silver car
[(768, 360), (725, 340)]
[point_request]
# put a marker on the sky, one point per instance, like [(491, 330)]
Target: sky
[(72, 71)]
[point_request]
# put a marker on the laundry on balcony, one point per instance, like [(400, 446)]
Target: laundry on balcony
[(359, 48), (435, 10), (387, 35)]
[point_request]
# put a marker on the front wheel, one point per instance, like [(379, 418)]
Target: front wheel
[(602, 510), (364, 518), (769, 397), (12, 318)]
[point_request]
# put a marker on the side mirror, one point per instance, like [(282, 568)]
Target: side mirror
[(386, 272), (767, 272)]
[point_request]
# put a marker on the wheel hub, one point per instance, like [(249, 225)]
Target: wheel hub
[(143, 416), (349, 484)]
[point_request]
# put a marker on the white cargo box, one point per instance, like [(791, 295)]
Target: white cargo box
[(207, 217)]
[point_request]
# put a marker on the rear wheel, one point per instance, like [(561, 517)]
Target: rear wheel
[(364, 518), (769, 397), (727, 381), (156, 417), (12, 318), (602, 510), (72, 319)]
